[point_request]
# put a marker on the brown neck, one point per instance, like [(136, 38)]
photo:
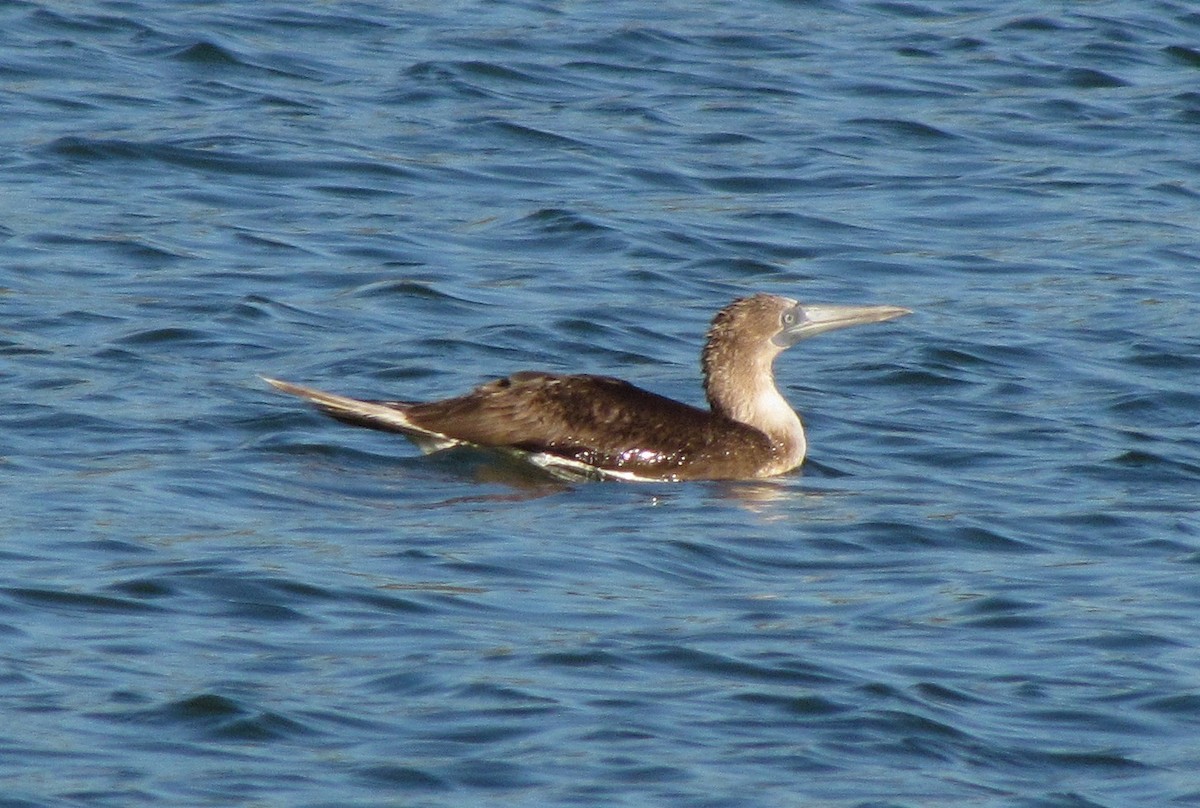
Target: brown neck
[(741, 385)]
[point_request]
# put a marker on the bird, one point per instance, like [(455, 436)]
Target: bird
[(590, 427)]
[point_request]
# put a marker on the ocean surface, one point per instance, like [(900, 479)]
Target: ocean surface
[(983, 589)]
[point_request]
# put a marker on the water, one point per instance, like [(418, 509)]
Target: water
[(982, 589)]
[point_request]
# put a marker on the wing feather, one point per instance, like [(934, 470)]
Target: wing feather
[(597, 420), (587, 421)]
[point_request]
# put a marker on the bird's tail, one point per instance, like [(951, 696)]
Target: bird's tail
[(386, 416)]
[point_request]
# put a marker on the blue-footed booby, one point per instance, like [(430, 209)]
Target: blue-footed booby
[(597, 427)]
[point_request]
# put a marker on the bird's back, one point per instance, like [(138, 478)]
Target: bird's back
[(600, 422), (577, 425)]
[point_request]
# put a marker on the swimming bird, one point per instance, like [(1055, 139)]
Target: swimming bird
[(597, 427)]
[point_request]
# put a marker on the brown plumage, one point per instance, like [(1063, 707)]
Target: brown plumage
[(599, 427)]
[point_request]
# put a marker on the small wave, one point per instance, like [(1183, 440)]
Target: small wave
[(78, 602), (218, 718)]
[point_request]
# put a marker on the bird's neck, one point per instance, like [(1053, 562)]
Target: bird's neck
[(746, 392)]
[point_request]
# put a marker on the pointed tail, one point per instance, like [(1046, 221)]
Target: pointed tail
[(370, 414)]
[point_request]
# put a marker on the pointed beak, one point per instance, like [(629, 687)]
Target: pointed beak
[(811, 320)]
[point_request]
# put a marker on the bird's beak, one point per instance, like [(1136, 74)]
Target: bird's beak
[(816, 319)]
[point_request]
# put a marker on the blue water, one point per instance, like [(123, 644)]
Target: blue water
[(983, 589)]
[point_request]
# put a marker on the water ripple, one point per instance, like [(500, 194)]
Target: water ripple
[(978, 591)]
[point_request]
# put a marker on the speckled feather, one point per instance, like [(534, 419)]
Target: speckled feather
[(603, 422)]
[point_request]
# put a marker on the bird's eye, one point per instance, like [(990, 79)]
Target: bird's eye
[(789, 317)]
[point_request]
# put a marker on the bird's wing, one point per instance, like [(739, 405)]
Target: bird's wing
[(597, 420), (589, 421)]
